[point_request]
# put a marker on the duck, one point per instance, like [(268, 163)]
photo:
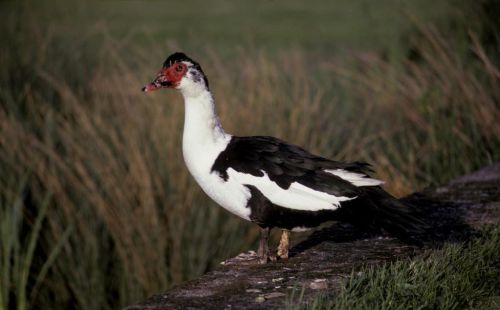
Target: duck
[(270, 182)]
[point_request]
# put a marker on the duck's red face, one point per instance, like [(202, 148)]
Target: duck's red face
[(168, 77)]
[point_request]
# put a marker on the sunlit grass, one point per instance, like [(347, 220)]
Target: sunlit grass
[(459, 276)]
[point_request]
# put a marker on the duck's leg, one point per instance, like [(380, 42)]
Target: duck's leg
[(284, 243), (263, 251)]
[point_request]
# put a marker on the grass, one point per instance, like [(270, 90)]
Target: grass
[(97, 208), (319, 26), (18, 252), (459, 276)]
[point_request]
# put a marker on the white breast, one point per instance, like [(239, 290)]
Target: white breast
[(231, 195), (203, 140)]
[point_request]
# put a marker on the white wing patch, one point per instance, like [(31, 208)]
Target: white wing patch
[(297, 196), (357, 179)]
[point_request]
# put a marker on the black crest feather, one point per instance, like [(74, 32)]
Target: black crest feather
[(179, 57)]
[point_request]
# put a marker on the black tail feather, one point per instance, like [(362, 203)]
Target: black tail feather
[(378, 210)]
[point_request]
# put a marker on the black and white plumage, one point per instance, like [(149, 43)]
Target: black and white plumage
[(270, 182)]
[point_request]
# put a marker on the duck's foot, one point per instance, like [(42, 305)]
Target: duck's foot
[(266, 259), (282, 252), (262, 256), (263, 251)]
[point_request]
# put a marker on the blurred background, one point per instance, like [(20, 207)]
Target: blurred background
[(97, 208)]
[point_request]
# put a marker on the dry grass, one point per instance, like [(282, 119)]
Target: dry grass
[(109, 157), (431, 120)]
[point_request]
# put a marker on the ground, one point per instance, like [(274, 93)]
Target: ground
[(329, 256)]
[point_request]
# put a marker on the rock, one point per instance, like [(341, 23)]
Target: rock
[(253, 290), (327, 257), (249, 257), (274, 295), (319, 284)]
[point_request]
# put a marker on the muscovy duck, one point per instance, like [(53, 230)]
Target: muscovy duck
[(273, 183)]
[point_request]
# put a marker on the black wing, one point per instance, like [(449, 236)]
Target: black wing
[(285, 164)]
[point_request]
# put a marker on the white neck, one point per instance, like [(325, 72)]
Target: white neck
[(203, 137)]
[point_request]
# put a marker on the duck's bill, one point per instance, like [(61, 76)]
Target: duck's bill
[(161, 81), (155, 85), (151, 87)]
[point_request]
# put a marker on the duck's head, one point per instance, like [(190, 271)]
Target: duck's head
[(180, 72)]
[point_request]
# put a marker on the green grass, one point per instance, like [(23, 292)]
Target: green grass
[(97, 208), (459, 276), (319, 26), (18, 252)]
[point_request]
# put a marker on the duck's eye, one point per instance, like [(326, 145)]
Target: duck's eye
[(179, 68)]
